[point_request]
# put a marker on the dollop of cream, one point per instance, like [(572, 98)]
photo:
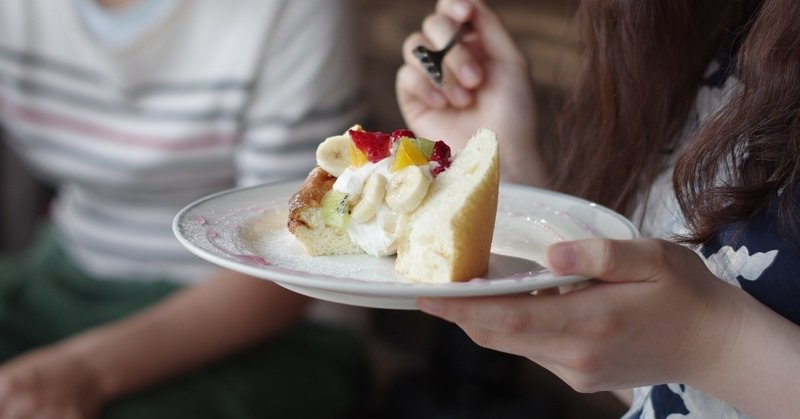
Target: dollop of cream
[(376, 236)]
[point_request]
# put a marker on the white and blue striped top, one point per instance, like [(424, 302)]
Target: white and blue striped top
[(211, 95)]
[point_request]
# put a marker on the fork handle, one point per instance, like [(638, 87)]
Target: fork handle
[(465, 28)]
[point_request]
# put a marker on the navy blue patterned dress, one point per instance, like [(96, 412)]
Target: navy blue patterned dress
[(755, 256)]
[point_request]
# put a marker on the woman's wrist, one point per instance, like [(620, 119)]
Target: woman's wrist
[(751, 347), (713, 344)]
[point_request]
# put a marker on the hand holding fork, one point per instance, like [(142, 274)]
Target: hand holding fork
[(431, 60)]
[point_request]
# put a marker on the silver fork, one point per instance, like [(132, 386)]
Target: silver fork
[(432, 60)]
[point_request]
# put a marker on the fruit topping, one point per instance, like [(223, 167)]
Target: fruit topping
[(371, 198), (376, 145), (407, 188), (440, 155), (336, 207), (401, 133), (333, 155), (407, 154), (425, 146), (357, 157)]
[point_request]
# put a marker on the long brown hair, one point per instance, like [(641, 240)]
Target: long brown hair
[(757, 136), (642, 64)]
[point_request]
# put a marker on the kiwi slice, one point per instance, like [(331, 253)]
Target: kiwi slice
[(425, 146), (336, 208)]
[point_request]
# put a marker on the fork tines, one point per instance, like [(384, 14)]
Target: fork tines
[(432, 62)]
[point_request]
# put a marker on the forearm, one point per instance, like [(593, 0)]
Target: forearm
[(195, 326), (523, 164), (758, 372), (521, 158)]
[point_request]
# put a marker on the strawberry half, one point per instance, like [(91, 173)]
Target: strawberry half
[(376, 145)]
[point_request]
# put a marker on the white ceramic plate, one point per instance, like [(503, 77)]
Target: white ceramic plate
[(245, 230)]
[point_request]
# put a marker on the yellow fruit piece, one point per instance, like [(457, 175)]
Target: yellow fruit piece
[(407, 154), (357, 157)]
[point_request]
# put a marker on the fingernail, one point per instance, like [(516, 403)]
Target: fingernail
[(562, 258), (460, 10), (430, 306), (470, 74)]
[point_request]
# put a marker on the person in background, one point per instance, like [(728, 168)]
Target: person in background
[(685, 117), (132, 109)]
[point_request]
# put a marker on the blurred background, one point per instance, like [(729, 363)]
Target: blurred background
[(542, 28), (422, 368)]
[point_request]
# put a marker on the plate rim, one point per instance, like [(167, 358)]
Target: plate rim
[(501, 286)]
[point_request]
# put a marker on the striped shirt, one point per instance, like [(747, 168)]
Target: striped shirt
[(211, 95)]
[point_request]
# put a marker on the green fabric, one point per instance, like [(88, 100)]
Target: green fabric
[(310, 371)]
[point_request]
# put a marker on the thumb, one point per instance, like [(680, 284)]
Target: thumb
[(609, 260)]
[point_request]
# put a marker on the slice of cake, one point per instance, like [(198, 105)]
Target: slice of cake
[(307, 220), (384, 194), (449, 237)]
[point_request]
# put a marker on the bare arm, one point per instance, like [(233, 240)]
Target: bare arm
[(758, 372), (193, 327), (189, 329), (612, 335)]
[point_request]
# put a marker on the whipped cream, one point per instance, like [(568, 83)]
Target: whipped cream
[(377, 236)]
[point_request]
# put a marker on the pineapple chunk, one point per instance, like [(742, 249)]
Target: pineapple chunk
[(357, 157), (408, 154)]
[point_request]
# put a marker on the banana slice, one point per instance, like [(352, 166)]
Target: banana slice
[(371, 198), (407, 189), (333, 154)]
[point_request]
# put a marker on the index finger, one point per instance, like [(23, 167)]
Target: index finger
[(458, 10), (507, 314)]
